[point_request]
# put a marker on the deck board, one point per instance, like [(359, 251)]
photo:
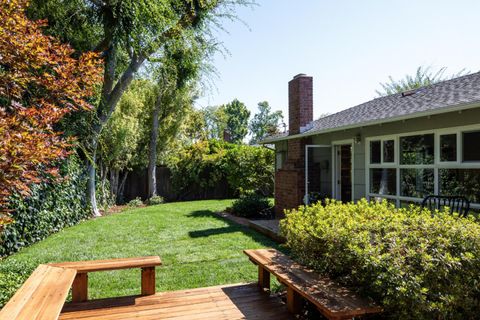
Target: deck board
[(243, 301)]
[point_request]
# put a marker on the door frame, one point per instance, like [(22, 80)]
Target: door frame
[(305, 197), (336, 171)]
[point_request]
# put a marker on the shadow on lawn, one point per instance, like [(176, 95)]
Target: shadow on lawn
[(211, 232), (231, 228)]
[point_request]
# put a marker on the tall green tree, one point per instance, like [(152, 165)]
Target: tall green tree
[(424, 76), (128, 33), (123, 136), (215, 120), (237, 116), (194, 127), (264, 122), (177, 74)]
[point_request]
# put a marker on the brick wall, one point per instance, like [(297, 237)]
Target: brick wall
[(290, 179), (288, 190), (300, 102)]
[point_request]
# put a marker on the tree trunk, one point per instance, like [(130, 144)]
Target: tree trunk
[(152, 150), (114, 173), (121, 187), (92, 171), (110, 99), (103, 179), (111, 93), (91, 194)]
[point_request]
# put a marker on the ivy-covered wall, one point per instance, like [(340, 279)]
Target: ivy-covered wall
[(50, 207)]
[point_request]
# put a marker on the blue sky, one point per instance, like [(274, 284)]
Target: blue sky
[(348, 46)]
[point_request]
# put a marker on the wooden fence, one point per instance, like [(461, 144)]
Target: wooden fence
[(136, 185)]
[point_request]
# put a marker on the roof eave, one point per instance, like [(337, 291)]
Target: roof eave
[(458, 107)]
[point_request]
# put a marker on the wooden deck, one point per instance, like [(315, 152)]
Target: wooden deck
[(241, 301)]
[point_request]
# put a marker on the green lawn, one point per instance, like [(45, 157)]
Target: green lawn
[(197, 248)]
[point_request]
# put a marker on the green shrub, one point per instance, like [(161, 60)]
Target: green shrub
[(250, 205), (155, 200), (50, 207), (12, 276), (137, 202), (206, 163), (418, 266)]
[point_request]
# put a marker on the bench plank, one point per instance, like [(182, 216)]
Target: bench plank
[(331, 299), (41, 296), (80, 285), (110, 264), (57, 288)]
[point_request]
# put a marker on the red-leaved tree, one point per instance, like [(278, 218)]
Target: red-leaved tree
[(40, 82)]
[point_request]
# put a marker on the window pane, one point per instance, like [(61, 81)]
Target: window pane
[(383, 181), (389, 151), (460, 182), (417, 149), (471, 151), (375, 151), (448, 147), (416, 183)]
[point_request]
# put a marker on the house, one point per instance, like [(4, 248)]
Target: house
[(400, 147)]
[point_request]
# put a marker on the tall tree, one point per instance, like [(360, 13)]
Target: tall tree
[(40, 82), (237, 116), (179, 67), (194, 128), (215, 121), (130, 32), (264, 122), (424, 76), (121, 140)]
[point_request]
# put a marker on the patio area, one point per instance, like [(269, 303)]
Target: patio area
[(240, 301)]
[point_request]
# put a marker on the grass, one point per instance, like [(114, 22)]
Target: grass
[(197, 249)]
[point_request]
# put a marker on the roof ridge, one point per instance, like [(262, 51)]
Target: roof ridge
[(399, 93)]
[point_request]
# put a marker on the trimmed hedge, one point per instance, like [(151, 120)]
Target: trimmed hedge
[(417, 265), (51, 207)]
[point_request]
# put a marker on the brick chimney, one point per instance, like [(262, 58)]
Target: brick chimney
[(300, 102), (290, 179)]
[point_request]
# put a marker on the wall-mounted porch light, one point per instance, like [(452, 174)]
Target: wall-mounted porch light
[(357, 139)]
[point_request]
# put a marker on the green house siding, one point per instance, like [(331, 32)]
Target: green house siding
[(435, 122)]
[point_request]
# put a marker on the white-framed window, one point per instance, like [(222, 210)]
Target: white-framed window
[(405, 168)]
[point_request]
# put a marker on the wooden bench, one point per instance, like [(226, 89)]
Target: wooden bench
[(331, 299), (82, 268), (43, 294)]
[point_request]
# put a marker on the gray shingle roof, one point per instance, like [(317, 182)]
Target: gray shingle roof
[(460, 91)]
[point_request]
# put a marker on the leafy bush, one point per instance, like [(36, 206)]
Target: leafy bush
[(250, 205), (417, 265), (155, 200), (12, 276), (206, 163), (137, 202), (50, 207)]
